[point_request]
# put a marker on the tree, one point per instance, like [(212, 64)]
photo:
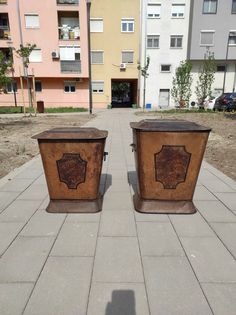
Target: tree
[(5, 67), (181, 83), (143, 70), (24, 53), (206, 78)]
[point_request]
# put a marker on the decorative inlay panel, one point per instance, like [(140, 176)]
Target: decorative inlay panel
[(171, 165), (72, 170)]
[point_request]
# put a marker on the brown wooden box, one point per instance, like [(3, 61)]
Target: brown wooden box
[(168, 156), (72, 160)]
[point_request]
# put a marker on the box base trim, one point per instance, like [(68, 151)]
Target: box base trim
[(163, 206), (75, 206)]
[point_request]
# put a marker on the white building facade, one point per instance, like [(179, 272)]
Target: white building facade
[(165, 26)]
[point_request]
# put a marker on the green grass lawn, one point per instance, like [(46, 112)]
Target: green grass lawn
[(19, 109)]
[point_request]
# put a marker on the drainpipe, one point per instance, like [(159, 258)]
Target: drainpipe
[(226, 58), (88, 3), (145, 52)]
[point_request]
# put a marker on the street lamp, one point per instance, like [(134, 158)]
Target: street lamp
[(88, 3)]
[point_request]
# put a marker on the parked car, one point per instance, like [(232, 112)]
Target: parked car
[(226, 102)]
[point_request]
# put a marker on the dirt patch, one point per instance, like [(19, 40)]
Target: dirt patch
[(16, 145), (221, 146)]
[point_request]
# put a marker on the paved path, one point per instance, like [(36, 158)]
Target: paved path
[(117, 262)]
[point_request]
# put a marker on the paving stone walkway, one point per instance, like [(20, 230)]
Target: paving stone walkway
[(118, 261)]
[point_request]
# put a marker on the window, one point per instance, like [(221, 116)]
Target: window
[(177, 10), (207, 38), (232, 38), (234, 6), (69, 86), (127, 25), (176, 41), (96, 25), (36, 55), (165, 68), (209, 6), (127, 56), (220, 68), (153, 10), (31, 21), (153, 41), (71, 53), (98, 86), (11, 87), (38, 86), (97, 57)]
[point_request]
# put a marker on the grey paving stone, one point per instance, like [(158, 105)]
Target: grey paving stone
[(229, 199), (6, 199), (83, 217), (41, 180), (117, 223), (76, 239), (17, 184), (202, 193), (117, 201), (8, 231), (119, 185), (221, 297), (63, 287), (13, 297), (147, 217), (118, 299), (215, 211), (19, 211), (34, 192), (214, 183), (44, 203), (117, 260), (172, 287), (227, 234), (158, 239), (211, 261), (24, 259), (30, 173), (43, 224), (191, 225)]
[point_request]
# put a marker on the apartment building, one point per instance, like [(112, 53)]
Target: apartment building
[(165, 26), (59, 62), (213, 29), (115, 38)]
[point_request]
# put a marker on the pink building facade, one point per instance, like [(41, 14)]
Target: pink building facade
[(59, 62)]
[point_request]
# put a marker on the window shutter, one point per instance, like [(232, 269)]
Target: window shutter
[(35, 56), (127, 56), (31, 20)]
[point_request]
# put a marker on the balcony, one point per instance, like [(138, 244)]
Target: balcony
[(68, 25), (71, 66), (67, 2)]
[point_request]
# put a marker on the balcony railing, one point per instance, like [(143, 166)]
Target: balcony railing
[(71, 66), (66, 2)]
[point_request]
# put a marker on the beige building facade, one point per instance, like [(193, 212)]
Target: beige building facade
[(115, 31)]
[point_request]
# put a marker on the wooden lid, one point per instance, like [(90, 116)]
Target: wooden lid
[(168, 125), (71, 133)]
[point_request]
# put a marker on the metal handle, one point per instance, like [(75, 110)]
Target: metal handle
[(133, 147), (105, 155)]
